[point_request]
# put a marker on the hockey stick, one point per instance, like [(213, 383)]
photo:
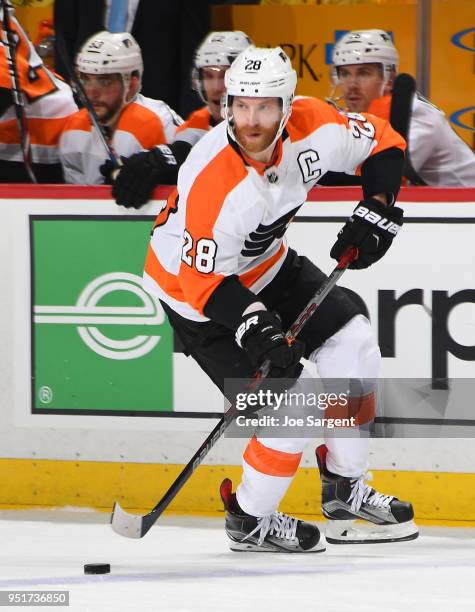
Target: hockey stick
[(136, 526), (401, 103), (9, 43), (403, 92), (79, 89)]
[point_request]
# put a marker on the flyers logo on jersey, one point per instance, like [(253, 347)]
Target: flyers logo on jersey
[(170, 208), (263, 236), (372, 217)]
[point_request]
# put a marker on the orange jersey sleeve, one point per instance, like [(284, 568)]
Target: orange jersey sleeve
[(145, 125), (311, 114), (195, 127), (198, 119)]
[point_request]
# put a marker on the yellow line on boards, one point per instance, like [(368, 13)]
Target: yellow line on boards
[(438, 497)]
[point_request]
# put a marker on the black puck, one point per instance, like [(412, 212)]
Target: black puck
[(97, 568)]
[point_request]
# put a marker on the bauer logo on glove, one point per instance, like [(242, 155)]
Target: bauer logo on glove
[(245, 327), (371, 229), (168, 156), (372, 217)]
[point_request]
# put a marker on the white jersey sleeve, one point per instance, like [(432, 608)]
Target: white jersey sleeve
[(437, 153)]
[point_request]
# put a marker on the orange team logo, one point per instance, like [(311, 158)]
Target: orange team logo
[(35, 81), (170, 208)]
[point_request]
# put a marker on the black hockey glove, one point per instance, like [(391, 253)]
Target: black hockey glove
[(107, 170), (142, 172), (371, 229), (260, 335)]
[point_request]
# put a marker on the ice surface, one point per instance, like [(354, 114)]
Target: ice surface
[(184, 564)]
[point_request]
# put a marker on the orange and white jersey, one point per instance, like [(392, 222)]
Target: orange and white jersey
[(48, 103), (439, 156), (46, 118), (142, 124), (229, 214), (196, 126), (35, 79)]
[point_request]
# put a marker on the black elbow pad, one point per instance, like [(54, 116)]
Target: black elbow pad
[(382, 173)]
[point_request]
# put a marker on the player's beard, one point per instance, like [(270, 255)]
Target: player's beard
[(256, 139), (108, 112)]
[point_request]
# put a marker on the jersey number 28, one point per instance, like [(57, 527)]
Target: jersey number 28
[(204, 255)]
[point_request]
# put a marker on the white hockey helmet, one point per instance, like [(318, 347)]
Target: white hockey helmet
[(111, 53), (366, 47), (217, 49), (261, 73)]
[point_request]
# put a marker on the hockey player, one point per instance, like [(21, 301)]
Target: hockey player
[(48, 102), (110, 68), (142, 172), (230, 285), (213, 57), (365, 66)]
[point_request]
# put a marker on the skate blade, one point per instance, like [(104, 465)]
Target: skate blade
[(348, 532), (268, 548)]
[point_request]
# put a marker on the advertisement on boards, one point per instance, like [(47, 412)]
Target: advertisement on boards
[(100, 343)]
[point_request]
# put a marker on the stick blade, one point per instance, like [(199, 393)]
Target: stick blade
[(126, 524)]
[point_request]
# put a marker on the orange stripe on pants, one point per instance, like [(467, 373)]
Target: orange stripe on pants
[(269, 461), (361, 408)]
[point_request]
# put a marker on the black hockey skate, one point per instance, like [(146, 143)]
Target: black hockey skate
[(346, 499), (275, 533)]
